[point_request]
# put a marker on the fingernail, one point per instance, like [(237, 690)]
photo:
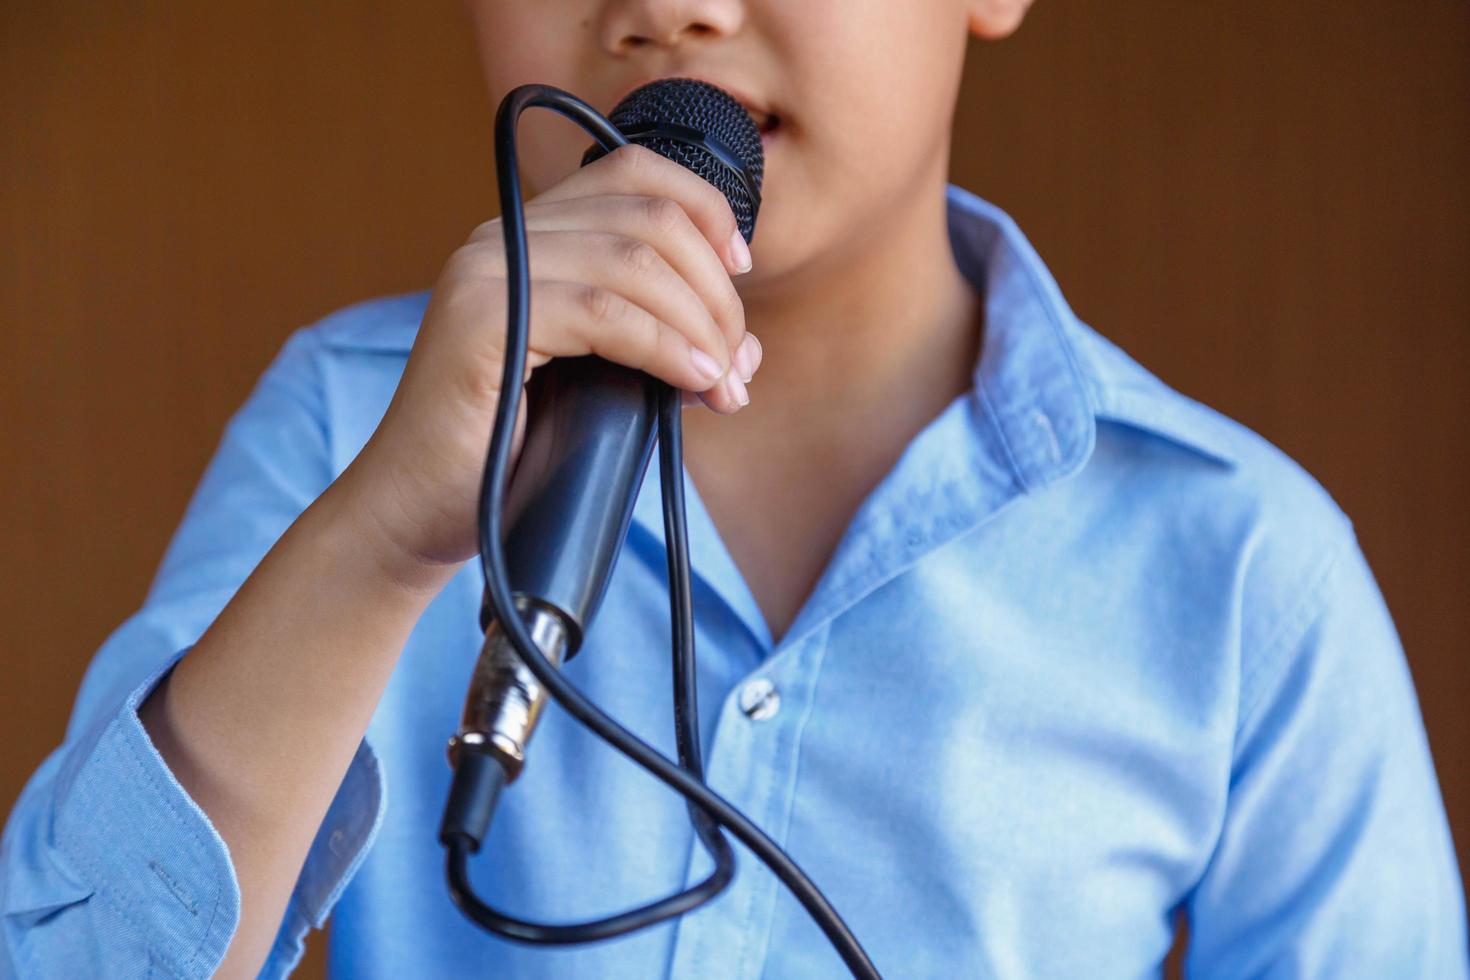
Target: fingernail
[(737, 390), (748, 357), (707, 366), (739, 251)]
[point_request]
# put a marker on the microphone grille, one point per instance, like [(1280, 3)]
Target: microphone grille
[(652, 114)]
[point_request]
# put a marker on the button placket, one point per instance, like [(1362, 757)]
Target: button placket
[(759, 699), (707, 941), (757, 738)]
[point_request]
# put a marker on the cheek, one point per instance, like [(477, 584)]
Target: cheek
[(829, 177), (548, 146), (872, 89)]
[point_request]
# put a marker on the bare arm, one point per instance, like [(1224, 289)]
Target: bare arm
[(260, 720)]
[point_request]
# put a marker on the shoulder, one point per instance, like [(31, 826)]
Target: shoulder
[(1225, 496), (1211, 457), (345, 366), (386, 324)]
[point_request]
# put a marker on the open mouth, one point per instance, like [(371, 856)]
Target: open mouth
[(765, 122)]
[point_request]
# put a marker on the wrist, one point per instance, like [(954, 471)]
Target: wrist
[(360, 537)]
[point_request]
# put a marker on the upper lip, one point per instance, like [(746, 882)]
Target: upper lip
[(752, 105)]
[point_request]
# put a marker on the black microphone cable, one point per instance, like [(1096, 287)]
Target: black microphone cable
[(478, 776)]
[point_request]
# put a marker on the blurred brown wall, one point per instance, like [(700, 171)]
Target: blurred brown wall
[(1265, 203)]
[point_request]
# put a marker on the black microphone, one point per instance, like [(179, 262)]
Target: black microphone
[(591, 426), (548, 544)]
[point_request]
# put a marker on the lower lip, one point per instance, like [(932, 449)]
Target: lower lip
[(769, 136)]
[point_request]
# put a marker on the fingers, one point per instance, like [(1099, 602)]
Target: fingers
[(576, 318), (634, 169), (748, 357), (664, 224), (636, 270), (651, 242)]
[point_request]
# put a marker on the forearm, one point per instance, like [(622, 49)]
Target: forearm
[(260, 720)]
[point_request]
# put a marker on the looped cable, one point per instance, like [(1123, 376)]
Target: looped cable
[(708, 810)]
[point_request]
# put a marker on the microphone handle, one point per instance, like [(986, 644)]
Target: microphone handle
[(590, 431)]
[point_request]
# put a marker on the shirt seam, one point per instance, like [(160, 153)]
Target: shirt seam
[(1059, 333), (316, 350), (993, 417), (341, 877), (819, 661), (290, 943), (189, 826), (1288, 633), (1142, 410)]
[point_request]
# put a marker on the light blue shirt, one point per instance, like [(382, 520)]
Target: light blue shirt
[(1090, 652)]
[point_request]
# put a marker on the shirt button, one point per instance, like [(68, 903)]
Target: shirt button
[(759, 699)]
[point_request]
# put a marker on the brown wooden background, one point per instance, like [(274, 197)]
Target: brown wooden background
[(1268, 204)]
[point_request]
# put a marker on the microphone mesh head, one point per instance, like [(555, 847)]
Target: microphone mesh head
[(713, 112)]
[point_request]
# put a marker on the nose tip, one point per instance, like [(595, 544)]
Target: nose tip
[(634, 24), (673, 38)]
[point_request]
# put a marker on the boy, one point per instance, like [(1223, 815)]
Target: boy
[(1013, 648)]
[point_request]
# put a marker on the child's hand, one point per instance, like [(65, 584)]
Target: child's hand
[(630, 259)]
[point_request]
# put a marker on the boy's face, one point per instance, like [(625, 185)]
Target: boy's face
[(862, 91)]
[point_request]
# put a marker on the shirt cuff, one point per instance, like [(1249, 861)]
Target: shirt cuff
[(341, 844), (144, 846)]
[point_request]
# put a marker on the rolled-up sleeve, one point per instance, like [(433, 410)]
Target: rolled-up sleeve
[(107, 866), (1335, 857)]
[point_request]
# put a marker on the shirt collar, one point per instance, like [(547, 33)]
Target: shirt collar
[(1030, 378), (1042, 381), (1034, 387), (1028, 421)]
